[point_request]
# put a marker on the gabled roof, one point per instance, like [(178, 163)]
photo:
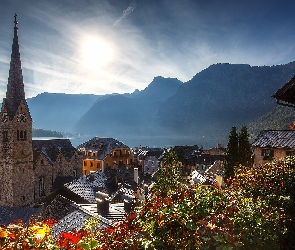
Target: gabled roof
[(101, 145), (286, 94), (52, 148), (86, 187), (214, 151), (275, 139)]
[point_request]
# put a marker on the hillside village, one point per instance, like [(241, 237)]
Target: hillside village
[(102, 177)]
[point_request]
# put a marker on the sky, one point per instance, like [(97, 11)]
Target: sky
[(117, 46)]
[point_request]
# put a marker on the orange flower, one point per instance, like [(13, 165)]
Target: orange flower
[(3, 233)]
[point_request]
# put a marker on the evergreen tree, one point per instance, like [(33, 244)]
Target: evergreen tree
[(244, 147), (170, 177), (231, 158)]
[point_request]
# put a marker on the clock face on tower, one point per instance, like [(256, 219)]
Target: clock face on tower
[(21, 117)]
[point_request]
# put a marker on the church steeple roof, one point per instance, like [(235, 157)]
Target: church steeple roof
[(15, 88)]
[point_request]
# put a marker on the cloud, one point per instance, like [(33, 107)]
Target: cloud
[(126, 12), (162, 39)]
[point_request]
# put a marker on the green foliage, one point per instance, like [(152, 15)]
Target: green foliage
[(231, 158), (238, 151), (255, 210), (244, 148), (170, 175)]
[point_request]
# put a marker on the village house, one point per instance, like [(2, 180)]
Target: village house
[(276, 144), (273, 145), (103, 153), (196, 158), (148, 159)]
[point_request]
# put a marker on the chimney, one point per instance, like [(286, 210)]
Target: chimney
[(103, 202), (128, 203), (136, 175), (92, 176)]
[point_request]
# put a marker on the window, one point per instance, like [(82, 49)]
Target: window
[(21, 135), (5, 136), (42, 161), (91, 164), (267, 154), (75, 173), (41, 186), (290, 153), (85, 163), (97, 165)]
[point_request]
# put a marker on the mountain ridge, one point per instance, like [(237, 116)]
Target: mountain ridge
[(169, 112)]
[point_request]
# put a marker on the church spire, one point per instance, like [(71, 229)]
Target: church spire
[(15, 89)]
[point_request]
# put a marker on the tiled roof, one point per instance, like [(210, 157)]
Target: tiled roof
[(286, 93), (214, 151), (75, 220), (9, 214), (58, 208), (156, 153), (85, 188), (52, 148), (101, 145), (275, 139)]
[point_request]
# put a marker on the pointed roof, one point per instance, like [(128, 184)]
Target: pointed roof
[(15, 89), (286, 95)]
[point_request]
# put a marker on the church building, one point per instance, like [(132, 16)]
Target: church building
[(28, 168)]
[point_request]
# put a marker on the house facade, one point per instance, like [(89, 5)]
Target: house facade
[(273, 145), (103, 153), (27, 168)]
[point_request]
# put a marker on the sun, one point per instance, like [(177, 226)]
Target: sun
[(96, 53)]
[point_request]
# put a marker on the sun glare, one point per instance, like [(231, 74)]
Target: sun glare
[(96, 53)]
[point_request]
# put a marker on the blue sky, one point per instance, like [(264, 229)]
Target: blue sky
[(117, 46)]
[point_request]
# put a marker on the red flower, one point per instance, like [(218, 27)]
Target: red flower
[(50, 222)]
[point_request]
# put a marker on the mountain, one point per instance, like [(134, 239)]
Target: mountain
[(128, 115), (56, 111), (222, 96), (168, 112), (281, 117)]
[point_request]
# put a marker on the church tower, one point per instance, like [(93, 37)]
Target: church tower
[(16, 153)]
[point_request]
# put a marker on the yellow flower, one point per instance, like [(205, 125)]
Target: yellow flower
[(3, 233), (40, 234), (40, 231)]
